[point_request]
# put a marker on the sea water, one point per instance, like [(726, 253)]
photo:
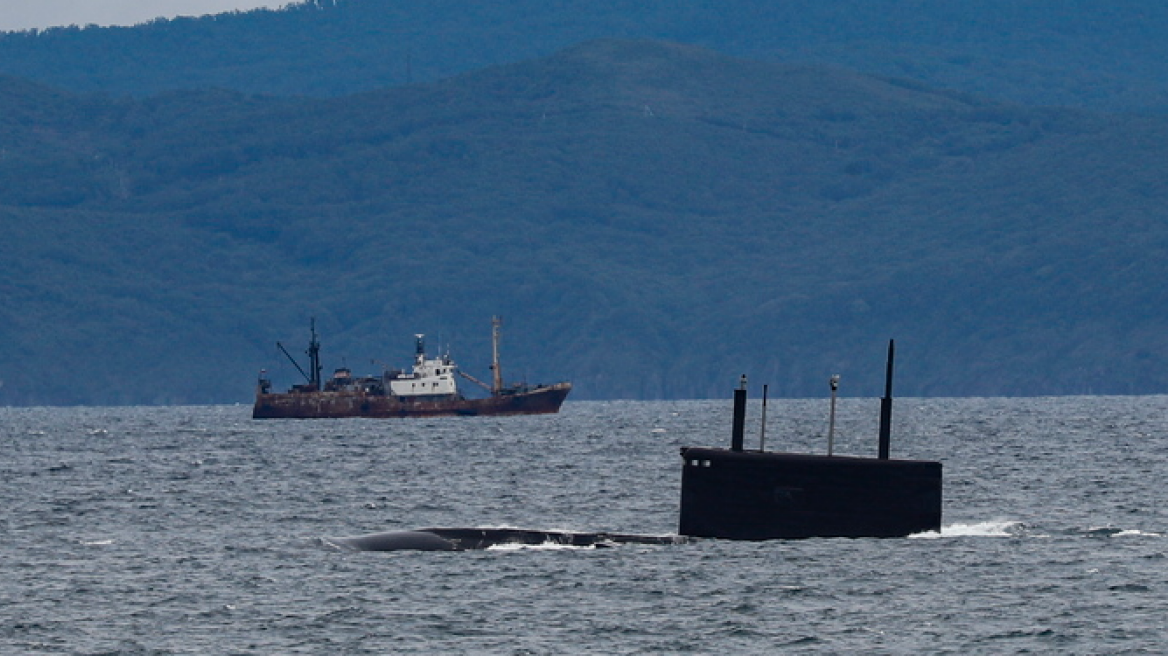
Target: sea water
[(197, 530)]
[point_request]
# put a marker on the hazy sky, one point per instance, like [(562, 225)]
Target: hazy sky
[(24, 14)]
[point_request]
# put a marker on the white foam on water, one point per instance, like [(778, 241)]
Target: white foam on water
[(1128, 533), (546, 546), (1001, 528)]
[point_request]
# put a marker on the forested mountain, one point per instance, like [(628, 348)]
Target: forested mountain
[(1095, 54), (650, 219)]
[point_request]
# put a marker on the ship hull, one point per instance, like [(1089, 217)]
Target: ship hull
[(343, 404)]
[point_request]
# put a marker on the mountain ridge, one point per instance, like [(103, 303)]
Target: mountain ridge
[(1090, 55), (651, 220)]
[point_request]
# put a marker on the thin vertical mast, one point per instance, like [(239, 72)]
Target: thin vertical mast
[(886, 406), (834, 383), (496, 323), (314, 357)]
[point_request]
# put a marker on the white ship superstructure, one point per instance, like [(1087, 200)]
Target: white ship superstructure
[(430, 376)]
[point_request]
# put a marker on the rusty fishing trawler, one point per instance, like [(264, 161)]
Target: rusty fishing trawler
[(429, 389)]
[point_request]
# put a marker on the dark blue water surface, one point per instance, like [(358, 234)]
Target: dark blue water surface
[(196, 530)]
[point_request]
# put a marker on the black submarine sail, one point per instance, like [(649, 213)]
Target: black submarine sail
[(428, 389), (757, 495)]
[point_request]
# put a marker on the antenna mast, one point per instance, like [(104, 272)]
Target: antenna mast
[(886, 405), (834, 382), (496, 323)]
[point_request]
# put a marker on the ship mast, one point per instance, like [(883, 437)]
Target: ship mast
[(419, 349), (496, 323), (313, 352), (314, 356)]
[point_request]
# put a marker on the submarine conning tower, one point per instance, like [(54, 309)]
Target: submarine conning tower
[(739, 494)]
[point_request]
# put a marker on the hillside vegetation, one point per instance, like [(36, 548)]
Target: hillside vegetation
[(651, 220), (1101, 55)]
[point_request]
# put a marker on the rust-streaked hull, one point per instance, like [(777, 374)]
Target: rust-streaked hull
[(337, 405)]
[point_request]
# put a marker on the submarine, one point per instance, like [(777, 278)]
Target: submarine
[(737, 494), (741, 494)]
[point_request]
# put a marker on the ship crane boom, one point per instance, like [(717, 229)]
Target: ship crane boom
[(294, 363), (474, 380)]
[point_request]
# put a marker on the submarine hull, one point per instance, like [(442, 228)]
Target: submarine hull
[(464, 539), (752, 495)]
